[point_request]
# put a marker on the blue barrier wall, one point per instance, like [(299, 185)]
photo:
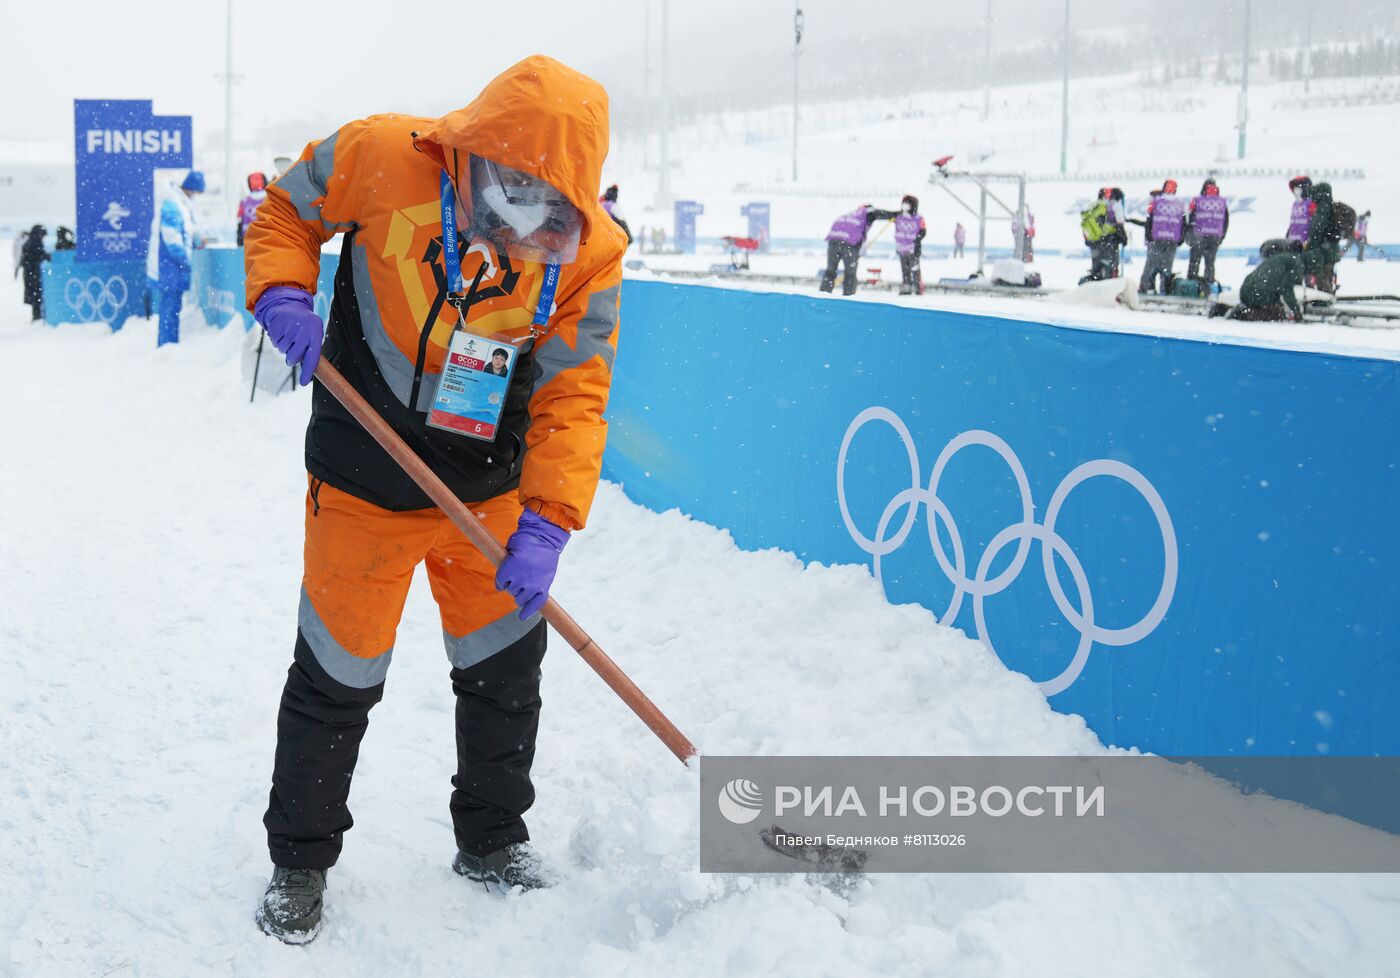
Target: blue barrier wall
[(216, 280), (1224, 520), (93, 292), (110, 292), (217, 284)]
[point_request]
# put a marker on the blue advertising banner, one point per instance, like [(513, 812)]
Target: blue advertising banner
[(1194, 546), (686, 212), (118, 144), (95, 292), (758, 214)]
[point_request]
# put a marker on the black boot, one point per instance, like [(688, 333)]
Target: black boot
[(291, 908), (518, 864)]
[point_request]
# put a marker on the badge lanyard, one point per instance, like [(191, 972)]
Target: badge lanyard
[(471, 391), (451, 261)]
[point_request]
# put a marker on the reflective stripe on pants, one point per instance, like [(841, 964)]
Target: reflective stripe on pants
[(359, 562)]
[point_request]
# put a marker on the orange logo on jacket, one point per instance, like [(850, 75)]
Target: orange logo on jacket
[(504, 297)]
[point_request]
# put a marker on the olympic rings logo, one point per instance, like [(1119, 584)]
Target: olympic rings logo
[(116, 246), (93, 299), (1022, 534)]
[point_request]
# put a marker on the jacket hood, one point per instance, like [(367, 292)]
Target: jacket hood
[(1322, 193), (540, 117)]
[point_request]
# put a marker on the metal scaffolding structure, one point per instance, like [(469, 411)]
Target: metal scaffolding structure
[(941, 177)]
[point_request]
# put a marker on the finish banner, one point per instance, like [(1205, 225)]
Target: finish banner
[(118, 145)]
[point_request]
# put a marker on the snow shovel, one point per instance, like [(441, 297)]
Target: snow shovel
[(458, 512), (874, 238)]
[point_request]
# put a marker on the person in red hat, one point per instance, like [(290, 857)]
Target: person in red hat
[(248, 206), (1207, 222), (1165, 227)]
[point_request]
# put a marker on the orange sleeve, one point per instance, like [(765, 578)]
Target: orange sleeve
[(573, 376), (305, 207)]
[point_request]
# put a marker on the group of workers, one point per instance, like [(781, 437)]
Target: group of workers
[(1201, 223), (1307, 255), (849, 238), (1313, 242)]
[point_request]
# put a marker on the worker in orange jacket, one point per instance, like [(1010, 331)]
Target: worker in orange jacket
[(421, 328)]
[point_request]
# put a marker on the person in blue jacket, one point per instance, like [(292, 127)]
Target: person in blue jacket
[(168, 258)]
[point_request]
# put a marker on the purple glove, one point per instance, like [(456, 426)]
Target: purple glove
[(291, 322), (532, 557)]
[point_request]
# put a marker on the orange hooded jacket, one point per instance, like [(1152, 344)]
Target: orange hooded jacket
[(377, 180)]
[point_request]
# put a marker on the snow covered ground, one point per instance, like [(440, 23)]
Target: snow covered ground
[(150, 543)]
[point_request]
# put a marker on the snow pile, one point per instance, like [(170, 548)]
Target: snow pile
[(149, 562), (1106, 294)]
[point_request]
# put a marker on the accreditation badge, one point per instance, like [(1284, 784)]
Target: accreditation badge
[(471, 391)]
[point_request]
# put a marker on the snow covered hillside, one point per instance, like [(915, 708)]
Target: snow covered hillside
[(150, 554), (1122, 132)]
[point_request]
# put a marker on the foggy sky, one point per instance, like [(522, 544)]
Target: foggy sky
[(304, 66)]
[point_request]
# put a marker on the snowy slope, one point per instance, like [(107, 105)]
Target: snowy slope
[(1122, 132), (149, 562)]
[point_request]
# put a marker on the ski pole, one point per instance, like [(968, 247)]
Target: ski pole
[(262, 335), (462, 516)]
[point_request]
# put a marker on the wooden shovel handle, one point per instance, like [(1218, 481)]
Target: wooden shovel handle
[(458, 512)]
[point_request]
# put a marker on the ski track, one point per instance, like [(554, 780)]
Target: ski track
[(150, 543)]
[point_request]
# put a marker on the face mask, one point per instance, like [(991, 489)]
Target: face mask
[(522, 218), (907, 209), (527, 217)]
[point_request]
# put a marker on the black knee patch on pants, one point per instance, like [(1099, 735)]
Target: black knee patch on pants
[(498, 716)]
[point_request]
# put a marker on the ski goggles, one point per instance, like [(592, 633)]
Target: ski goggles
[(524, 216)]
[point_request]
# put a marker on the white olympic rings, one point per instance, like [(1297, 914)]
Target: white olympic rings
[(94, 299), (1022, 533)]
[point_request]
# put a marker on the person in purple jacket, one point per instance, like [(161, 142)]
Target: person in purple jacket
[(843, 244), (1165, 227), (1302, 210), (609, 202), (248, 206), (909, 230), (1207, 222)]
